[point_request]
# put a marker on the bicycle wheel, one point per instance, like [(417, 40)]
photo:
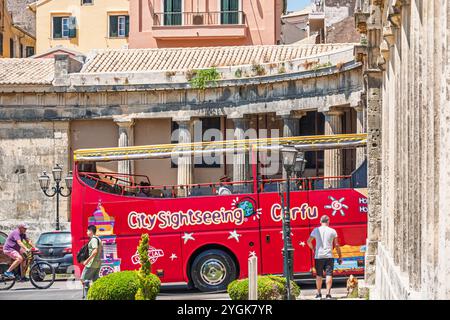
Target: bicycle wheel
[(6, 283), (42, 275)]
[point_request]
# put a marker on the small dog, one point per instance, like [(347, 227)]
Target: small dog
[(352, 287)]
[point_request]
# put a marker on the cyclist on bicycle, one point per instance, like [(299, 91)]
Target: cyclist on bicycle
[(15, 246)]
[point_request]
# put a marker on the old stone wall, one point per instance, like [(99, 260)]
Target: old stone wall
[(411, 258), (338, 10), (21, 15), (26, 149)]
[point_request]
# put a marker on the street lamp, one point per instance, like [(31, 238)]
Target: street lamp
[(44, 182), (300, 163), (289, 155)]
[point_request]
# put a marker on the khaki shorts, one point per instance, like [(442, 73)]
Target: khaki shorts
[(91, 274)]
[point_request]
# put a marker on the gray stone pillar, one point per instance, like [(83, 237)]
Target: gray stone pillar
[(374, 101), (291, 126), (333, 157), (240, 168), (185, 163), (360, 128), (126, 139)]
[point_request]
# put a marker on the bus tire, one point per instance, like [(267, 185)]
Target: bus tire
[(212, 270)]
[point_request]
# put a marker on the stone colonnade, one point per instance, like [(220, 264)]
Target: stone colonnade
[(333, 162)]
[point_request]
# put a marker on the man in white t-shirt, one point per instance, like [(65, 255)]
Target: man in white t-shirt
[(325, 238)]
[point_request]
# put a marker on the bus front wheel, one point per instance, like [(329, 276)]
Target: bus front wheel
[(213, 270)]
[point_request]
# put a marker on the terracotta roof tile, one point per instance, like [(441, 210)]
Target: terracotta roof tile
[(26, 71), (178, 59)]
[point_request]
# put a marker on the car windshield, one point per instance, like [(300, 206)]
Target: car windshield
[(55, 238)]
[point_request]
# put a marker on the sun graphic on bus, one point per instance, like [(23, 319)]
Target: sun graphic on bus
[(248, 206), (337, 206)]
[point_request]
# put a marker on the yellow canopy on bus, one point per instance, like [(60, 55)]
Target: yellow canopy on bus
[(302, 143)]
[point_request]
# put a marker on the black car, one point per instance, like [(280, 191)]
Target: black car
[(56, 248)]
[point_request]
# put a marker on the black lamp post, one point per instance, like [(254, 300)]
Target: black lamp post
[(289, 155), (293, 161), (44, 182)]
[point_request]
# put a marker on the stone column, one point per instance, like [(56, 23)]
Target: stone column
[(360, 128), (185, 163), (240, 163), (333, 157), (291, 126), (126, 139)]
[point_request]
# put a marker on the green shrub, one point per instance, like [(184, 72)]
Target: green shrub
[(148, 287), (149, 284), (204, 77), (115, 286), (269, 288)]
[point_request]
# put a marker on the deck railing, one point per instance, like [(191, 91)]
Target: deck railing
[(198, 18), (128, 185)]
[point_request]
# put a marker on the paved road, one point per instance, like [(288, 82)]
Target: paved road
[(67, 290)]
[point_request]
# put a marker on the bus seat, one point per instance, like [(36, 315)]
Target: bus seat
[(317, 184), (270, 187), (359, 176), (201, 191), (90, 182), (345, 183)]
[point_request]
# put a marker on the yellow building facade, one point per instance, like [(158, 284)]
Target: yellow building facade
[(15, 42), (81, 25)]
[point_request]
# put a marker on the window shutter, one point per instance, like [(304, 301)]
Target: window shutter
[(224, 6), (177, 16), (72, 27), (127, 26), (1, 43), (234, 5), (176, 5), (57, 27), (113, 26)]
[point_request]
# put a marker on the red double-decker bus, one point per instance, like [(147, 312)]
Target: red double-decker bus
[(204, 237)]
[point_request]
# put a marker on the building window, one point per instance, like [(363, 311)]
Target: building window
[(1, 44), (29, 51), (11, 48), (64, 27), (313, 124), (172, 12), (119, 26), (229, 11), (21, 50), (87, 2)]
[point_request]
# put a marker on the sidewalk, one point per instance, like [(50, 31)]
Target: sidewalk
[(336, 293)]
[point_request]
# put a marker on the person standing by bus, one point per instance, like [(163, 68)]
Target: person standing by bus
[(325, 237), (93, 263)]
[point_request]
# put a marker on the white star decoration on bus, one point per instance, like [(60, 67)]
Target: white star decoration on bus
[(336, 206), (302, 243), (187, 237), (173, 257), (252, 254), (234, 235)]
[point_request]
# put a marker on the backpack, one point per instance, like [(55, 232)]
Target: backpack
[(83, 254)]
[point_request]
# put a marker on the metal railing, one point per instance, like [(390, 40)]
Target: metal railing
[(127, 185), (198, 18)]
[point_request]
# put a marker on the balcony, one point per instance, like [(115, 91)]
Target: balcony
[(183, 25)]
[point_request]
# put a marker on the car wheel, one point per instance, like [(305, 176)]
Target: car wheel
[(213, 270)]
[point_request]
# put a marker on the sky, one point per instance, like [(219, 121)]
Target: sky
[(294, 5)]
